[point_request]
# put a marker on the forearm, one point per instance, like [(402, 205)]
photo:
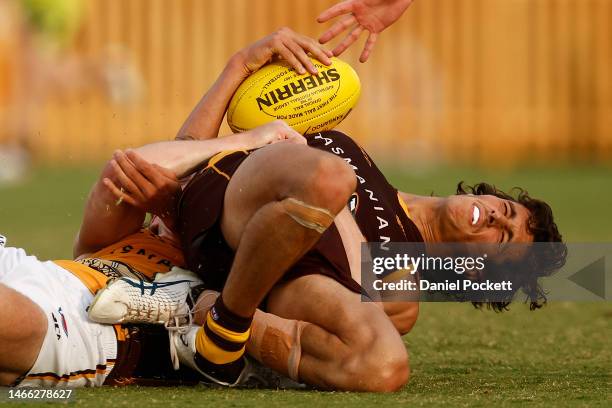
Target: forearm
[(183, 156), (205, 120), (104, 220)]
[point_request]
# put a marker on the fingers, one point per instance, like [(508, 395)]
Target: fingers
[(120, 194), (151, 172), (299, 53), (135, 175), (318, 52), (334, 11), (288, 134), (294, 50), (295, 137), (337, 28), (367, 48), (288, 45), (146, 186), (289, 56), (348, 40), (163, 186), (279, 131), (119, 167)]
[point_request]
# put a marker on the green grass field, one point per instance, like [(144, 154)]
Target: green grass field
[(558, 356)]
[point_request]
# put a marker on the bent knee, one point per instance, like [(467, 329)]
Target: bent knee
[(393, 374), (331, 182), (378, 362), (385, 371), (32, 329), (23, 326), (22, 319)]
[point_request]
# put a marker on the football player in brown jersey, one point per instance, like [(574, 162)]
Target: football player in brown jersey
[(271, 228)]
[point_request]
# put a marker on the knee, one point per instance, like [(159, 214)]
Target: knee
[(36, 331), (392, 373), (377, 363), (24, 321), (331, 182), (36, 327)]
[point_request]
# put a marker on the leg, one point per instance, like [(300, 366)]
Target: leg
[(348, 345), (338, 355), (259, 222), (23, 326), (277, 204)]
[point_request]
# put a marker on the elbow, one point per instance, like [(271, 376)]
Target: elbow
[(77, 250)]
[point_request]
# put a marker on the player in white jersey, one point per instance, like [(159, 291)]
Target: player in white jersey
[(46, 338), (43, 307)]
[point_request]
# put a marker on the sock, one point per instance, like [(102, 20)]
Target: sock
[(221, 343)]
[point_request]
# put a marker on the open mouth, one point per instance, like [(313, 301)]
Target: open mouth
[(475, 215)]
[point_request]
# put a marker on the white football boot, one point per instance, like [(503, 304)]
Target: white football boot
[(183, 350), (129, 300), (253, 375)]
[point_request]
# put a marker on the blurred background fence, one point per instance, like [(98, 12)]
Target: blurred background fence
[(492, 82)]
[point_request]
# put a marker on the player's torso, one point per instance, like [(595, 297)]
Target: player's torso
[(375, 205)]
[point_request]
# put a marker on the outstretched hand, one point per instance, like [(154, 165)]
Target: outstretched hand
[(148, 187), (361, 15)]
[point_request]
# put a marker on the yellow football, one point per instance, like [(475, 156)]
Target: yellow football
[(308, 103)]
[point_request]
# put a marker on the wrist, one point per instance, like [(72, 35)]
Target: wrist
[(243, 141), (236, 65)]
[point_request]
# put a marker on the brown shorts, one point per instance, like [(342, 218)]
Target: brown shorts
[(208, 254)]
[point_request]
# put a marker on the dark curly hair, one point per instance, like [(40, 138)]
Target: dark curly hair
[(542, 226)]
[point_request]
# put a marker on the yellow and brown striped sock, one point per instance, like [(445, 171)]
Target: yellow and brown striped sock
[(220, 343)]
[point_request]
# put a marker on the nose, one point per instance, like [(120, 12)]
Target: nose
[(496, 219)]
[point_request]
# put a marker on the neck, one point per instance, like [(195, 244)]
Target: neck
[(423, 212)]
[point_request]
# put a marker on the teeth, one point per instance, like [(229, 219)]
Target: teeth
[(475, 215)]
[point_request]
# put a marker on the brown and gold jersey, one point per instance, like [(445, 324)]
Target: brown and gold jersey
[(378, 210)]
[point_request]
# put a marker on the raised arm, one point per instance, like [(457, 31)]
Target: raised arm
[(205, 120), (110, 213), (105, 221), (373, 16)]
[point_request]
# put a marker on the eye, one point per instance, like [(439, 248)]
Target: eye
[(506, 208)]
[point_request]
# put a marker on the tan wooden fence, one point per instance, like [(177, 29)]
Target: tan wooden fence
[(484, 81)]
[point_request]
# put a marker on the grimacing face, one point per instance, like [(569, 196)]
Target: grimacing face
[(483, 218)]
